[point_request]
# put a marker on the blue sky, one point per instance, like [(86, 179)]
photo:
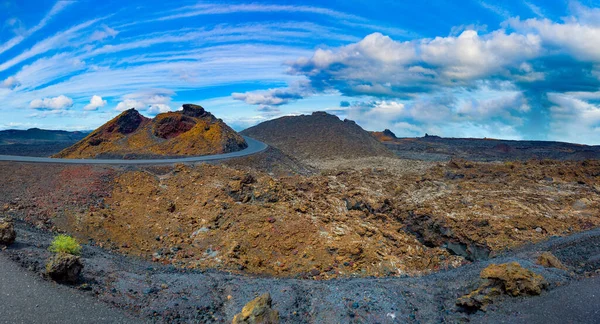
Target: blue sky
[(512, 69)]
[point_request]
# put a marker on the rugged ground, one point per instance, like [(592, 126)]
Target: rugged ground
[(163, 293), (192, 131), (369, 222), (359, 239)]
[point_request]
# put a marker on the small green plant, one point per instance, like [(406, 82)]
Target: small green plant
[(65, 244)]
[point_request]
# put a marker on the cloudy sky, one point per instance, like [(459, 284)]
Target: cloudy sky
[(471, 68)]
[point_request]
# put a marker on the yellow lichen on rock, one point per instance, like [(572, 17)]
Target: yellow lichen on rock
[(548, 260), (514, 279), (192, 131), (258, 311), (507, 278)]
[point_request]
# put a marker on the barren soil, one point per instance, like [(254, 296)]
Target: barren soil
[(173, 242)]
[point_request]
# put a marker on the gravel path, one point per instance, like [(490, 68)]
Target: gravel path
[(254, 147), (26, 298)]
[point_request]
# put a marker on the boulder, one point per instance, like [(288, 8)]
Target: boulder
[(64, 267), (548, 260), (514, 279), (7, 232), (478, 299), (507, 278), (258, 311)]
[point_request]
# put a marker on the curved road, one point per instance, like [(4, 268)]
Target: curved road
[(254, 147)]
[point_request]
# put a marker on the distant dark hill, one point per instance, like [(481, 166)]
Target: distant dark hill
[(435, 148), (36, 142), (36, 135), (317, 136)]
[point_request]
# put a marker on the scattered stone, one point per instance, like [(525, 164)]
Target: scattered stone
[(171, 207), (548, 260), (85, 287), (63, 267), (478, 299), (258, 311), (506, 278), (538, 229), (7, 232), (580, 204)]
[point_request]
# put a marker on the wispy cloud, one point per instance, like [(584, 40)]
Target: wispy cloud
[(58, 41), (55, 10), (498, 10), (535, 9), (220, 9)]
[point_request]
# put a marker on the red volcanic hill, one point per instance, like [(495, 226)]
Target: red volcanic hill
[(385, 136), (190, 132), (317, 136)]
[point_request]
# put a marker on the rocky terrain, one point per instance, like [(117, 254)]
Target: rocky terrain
[(435, 148), (192, 131), (317, 136), (359, 238), (37, 142), (339, 223)]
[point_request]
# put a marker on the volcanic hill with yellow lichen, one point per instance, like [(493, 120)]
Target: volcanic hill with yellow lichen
[(190, 132)]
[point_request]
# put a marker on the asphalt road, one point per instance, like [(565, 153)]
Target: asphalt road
[(577, 302), (254, 147), (26, 298)]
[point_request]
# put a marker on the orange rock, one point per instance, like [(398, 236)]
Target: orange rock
[(548, 260), (514, 279), (258, 311)]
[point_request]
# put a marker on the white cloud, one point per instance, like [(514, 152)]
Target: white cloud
[(380, 66), (95, 103), (574, 38), (104, 33), (11, 82), (58, 41), (56, 103), (573, 119), (218, 9), (498, 10), (152, 101), (535, 9)]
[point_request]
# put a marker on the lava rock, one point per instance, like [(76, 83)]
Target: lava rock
[(258, 311), (7, 232), (506, 278), (514, 279), (63, 267), (548, 260)]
